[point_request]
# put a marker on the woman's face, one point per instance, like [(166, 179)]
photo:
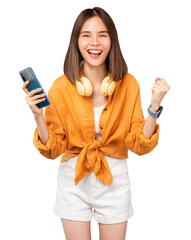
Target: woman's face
[(94, 42)]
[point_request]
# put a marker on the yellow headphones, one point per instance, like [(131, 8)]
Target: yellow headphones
[(84, 87)]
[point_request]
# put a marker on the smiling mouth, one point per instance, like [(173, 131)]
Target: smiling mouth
[(95, 52)]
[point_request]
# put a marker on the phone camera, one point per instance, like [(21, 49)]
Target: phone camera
[(23, 77)]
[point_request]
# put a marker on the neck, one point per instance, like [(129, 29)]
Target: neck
[(94, 74)]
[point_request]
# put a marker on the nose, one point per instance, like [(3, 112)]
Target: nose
[(95, 40)]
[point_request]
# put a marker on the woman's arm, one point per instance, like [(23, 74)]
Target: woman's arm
[(32, 100), (49, 136), (159, 90), (149, 126), (42, 129)]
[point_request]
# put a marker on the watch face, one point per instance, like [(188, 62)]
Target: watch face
[(160, 110)]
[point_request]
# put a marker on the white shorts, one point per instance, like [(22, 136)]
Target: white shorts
[(108, 204)]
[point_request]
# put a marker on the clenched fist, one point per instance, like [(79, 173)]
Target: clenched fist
[(159, 90)]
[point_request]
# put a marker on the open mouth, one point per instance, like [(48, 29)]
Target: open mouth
[(95, 53)]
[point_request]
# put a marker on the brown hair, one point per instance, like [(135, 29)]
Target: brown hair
[(115, 62)]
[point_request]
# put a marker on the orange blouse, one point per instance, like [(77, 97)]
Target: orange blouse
[(70, 121)]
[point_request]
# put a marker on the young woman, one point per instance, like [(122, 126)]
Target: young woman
[(94, 117)]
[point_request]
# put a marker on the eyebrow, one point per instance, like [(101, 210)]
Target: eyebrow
[(98, 32)]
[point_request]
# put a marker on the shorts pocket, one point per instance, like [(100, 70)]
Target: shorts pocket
[(118, 167), (70, 163)]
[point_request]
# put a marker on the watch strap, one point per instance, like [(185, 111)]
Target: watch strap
[(154, 114)]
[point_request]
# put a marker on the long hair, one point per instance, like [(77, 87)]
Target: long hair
[(115, 62)]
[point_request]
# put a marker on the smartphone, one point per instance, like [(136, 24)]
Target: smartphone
[(28, 74)]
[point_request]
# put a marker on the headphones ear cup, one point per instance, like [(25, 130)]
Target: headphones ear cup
[(111, 88), (80, 88), (107, 86), (87, 86), (84, 87)]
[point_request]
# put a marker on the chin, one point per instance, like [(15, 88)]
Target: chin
[(94, 63)]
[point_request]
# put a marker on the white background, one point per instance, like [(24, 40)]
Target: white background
[(155, 41)]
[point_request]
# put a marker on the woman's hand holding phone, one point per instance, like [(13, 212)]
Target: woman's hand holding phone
[(33, 99)]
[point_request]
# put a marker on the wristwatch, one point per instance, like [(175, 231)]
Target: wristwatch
[(154, 114)]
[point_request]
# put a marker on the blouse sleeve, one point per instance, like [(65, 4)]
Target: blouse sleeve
[(57, 143), (135, 139)]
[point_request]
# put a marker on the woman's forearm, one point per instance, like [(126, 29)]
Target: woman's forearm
[(149, 127), (42, 129)]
